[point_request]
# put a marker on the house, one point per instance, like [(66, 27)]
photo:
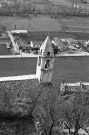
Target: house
[(60, 45), (22, 46)]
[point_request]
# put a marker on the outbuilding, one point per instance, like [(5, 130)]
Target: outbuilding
[(57, 42)]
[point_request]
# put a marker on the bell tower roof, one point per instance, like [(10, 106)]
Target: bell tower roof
[(46, 49)]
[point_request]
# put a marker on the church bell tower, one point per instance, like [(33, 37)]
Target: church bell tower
[(45, 62)]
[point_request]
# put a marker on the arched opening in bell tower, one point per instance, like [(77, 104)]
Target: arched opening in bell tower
[(39, 61), (47, 64), (48, 53)]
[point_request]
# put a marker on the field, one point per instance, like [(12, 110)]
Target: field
[(65, 2), (37, 24), (46, 23), (74, 23), (17, 66), (70, 69)]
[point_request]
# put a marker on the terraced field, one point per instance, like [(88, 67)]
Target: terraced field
[(77, 24), (71, 69), (17, 66)]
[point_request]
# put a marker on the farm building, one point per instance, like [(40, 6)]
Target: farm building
[(22, 46), (57, 42)]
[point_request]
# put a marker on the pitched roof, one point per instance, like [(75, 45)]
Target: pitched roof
[(46, 47), (21, 43), (59, 43)]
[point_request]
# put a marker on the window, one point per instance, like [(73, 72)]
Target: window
[(41, 51), (39, 61), (48, 53), (47, 64)]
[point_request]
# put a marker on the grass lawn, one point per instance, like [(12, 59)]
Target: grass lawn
[(70, 69), (18, 66)]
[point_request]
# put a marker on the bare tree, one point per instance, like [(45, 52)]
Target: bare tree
[(75, 111), (45, 117), (45, 112)]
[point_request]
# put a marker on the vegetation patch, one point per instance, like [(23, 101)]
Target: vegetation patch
[(21, 105)]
